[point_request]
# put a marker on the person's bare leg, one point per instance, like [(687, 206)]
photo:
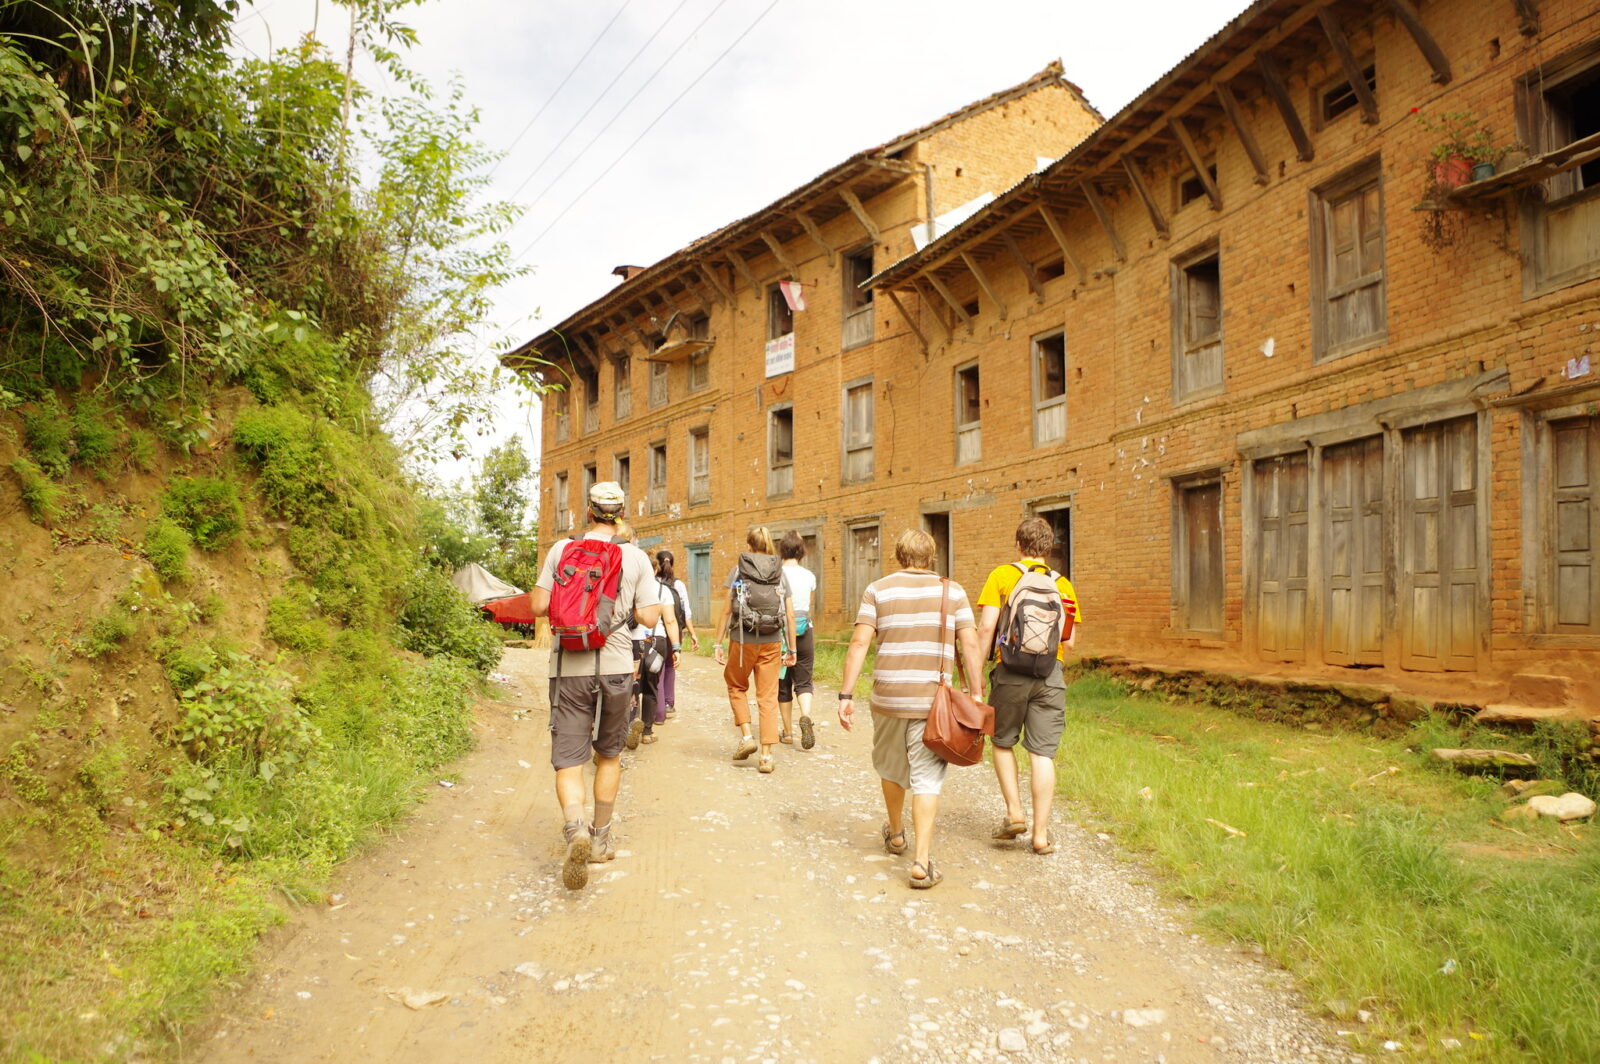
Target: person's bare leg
[(607, 780), (924, 810), (570, 791), (1043, 783), (1005, 771), (786, 712), (894, 801)]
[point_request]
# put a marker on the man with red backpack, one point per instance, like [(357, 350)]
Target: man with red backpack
[(593, 590), (1029, 616)]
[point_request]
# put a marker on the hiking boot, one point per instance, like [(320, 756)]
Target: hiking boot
[(808, 733), (635, 730), (575, 865), (746, 747), (601, 848)]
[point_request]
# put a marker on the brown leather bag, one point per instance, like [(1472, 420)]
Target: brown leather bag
[(957, 722)]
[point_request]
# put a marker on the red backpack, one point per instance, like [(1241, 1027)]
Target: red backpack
[(583, 602)]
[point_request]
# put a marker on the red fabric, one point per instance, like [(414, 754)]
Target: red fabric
[(517, 609)]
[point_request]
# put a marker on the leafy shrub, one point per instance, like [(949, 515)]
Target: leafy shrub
[(47, 431), (94, 435), (107, 633), (142, 450), (208, 507), (437, 620), (242, 703), (187, 664), (167, 548), (46, 499), (293, 622)]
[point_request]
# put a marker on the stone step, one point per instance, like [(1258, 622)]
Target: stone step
[(1507, 713), (1539, 689)]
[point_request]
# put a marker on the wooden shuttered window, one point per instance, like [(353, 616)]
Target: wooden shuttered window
[(1439, 547), (658, 478), (1199, 581), (700, 465), (858, 432), (1282, 519), (969, 415), (780, 450), (1352, 310), (1197, 328), (1572, 519)]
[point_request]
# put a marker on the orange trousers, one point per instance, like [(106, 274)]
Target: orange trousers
[(762, 661)]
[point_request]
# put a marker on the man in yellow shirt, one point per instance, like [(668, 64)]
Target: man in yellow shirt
[(1028, 708)]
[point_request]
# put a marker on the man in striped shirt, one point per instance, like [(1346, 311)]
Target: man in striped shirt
[(902, 611)]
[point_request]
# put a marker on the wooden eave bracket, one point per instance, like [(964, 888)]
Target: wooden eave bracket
[(983, 283), (1104, 216), (1406, 12), (928, 301), (944, 293), (851, 201), (1230, 107), (1157, 219), (742, 268), (1352, 68), (777, 253), (1029, 274), (1059, 232), (1291, 118), (897, 166), (816, 237), (1180, 129), (709, 272), (1527, 17), (910, 321)]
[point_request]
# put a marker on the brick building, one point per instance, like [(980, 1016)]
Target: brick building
[(718, 408), (1290, 401)]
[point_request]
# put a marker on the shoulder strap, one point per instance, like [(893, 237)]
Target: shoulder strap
[(944, 611)]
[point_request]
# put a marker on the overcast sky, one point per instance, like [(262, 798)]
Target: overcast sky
[(769, 93)]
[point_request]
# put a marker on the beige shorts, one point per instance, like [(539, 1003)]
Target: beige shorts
[(899, 756)]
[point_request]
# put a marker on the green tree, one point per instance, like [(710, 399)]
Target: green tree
[(502, 492)]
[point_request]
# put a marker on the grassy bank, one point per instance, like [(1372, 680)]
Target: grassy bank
[(1384, 883)]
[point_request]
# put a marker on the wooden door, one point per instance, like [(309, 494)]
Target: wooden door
[(1201, 557), (1575, 587), (862, 566), (700, 585), (1282, 516), (1439, 547), (1354, 562)]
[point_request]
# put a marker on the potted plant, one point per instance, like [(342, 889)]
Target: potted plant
[(1465, 150)]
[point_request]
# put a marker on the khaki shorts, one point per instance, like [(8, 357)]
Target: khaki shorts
[(1030, 708), (900, 757), (572, 717)]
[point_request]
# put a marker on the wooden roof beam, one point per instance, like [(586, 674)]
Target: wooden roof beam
[(1230, 107), (816, 237), (1104, 216), (1527, 17), (910, 321), (861, 214), (944, 293), (1056, 230), (1279, 93), (742, 268), (1029, 274), (1406, 12), (1352, 68), (709, 272), (777, 253), (933, 310), (983, 283), (692, 284), (1180, 129), (1158, 220)]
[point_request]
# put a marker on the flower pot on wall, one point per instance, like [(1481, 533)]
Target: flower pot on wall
[(1482, 171), (1452, 172)]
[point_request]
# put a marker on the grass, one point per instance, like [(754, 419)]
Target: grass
[(1360, 867)]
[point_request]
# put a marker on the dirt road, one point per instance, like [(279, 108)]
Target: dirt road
[(746, 918)]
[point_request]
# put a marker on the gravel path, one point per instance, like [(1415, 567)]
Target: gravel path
[(747, 918)]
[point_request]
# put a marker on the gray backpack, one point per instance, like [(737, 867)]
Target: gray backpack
[(756, 595), (1032, 623)]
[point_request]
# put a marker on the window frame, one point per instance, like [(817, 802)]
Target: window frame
[(852, 440), (1039, 405), (697, 368), (773, 463), (699, 491), (622, 471), (1320, 119), (1183, 612), (657, 504), (1350, 183), (857, 307), (1181, 268), (777, 311), (1533, 118), (972, 429), (621, 387), (561, 491)]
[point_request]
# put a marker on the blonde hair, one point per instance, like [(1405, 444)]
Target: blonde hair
[(760, 540), (624, 532), (914, 549)]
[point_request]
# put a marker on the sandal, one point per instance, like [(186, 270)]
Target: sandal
[(764, 763), (1009, 829), (785, 737), (1049, 846), (931, 877), (649, 737), (889, 844)]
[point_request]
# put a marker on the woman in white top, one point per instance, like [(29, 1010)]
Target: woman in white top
[(795, 681), (673, 591)]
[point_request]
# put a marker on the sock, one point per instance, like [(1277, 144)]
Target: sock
[(602, 814)]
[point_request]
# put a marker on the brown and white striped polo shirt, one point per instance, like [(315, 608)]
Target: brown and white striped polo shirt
[(912, 651)]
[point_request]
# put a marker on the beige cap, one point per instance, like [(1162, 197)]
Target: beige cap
[(607, 495)]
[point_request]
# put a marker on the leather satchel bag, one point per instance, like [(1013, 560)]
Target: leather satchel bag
[(957, 722)]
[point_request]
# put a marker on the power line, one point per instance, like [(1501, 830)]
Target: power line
[(635, 143), (551, 99), (625, 105), (603, 93)]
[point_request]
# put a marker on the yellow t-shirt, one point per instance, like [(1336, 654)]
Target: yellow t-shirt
[(998, 587)]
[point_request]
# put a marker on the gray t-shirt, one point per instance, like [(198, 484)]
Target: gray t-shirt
[(638, 588)]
